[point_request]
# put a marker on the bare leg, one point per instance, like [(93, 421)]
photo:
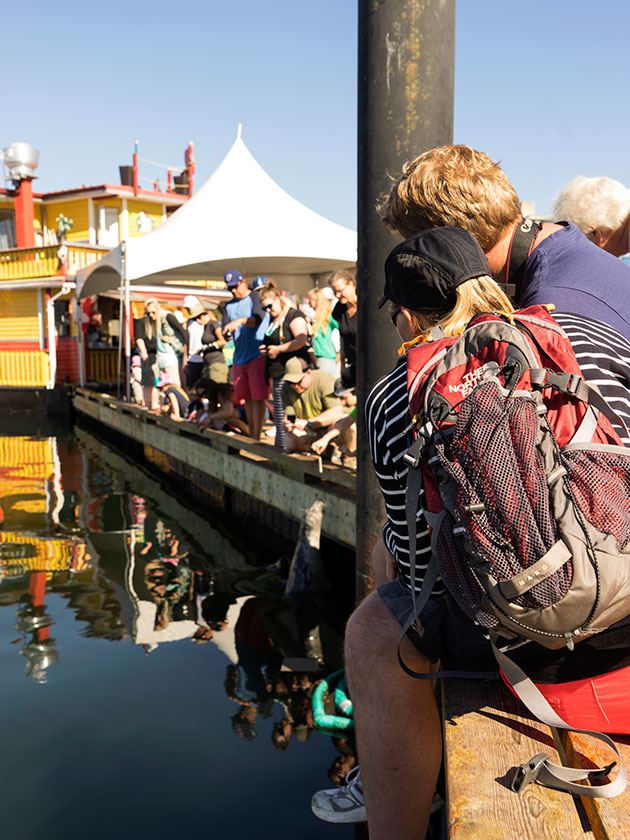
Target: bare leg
[(384, 567), (399, 736), (255, 411), (249, 413), (296, 443), (151, 397)]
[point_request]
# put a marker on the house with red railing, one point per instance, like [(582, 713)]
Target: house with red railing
[(45, 239)]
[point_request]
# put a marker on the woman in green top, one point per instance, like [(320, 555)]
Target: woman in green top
[(323, 332)]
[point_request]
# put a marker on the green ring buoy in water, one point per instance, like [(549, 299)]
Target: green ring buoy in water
[(336, 723)]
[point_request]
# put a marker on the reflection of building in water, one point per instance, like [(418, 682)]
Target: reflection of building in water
[(43, 547), (39, 511)]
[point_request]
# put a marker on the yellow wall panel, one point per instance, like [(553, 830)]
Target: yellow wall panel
[(18, 316), (75, 210), (24, 368), (150, 210)]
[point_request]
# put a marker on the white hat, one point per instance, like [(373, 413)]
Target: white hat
[(190, 301)]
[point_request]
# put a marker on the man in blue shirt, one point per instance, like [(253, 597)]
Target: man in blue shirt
[(241, 318), (459, 186)]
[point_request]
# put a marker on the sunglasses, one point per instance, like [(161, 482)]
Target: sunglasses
[(267, 306), (394, 312)]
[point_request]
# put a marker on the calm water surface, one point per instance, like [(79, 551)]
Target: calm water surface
[(143, 654)]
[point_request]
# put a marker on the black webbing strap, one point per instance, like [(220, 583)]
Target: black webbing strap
[(574, 385), (520, 247), (414, 486)]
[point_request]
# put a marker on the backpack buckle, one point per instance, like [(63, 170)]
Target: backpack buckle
[(528, 772), (413, 455), (566, 383)]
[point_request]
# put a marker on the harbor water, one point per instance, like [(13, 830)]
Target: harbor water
[(155, 675)]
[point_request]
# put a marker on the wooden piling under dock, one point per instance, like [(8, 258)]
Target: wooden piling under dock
[(248, 480)]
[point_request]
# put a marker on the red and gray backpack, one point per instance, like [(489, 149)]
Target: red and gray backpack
[(527, 494)]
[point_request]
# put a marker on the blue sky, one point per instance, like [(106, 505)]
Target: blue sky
[(542, 88)]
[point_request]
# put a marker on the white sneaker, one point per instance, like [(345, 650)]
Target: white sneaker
[(341, 805), (346, 804)]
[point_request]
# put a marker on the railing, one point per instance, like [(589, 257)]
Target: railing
[(24, 368), (26, 263), (25, 554), (102, 365), (203, 284)]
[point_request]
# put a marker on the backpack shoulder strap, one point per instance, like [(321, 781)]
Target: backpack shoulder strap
[(539, 768)]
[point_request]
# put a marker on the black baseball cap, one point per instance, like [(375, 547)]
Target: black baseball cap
[(423, 272)]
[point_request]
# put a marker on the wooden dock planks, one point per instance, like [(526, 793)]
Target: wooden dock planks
[(486, 736)]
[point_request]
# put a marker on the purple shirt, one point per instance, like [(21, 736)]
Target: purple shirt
[(570, 271)]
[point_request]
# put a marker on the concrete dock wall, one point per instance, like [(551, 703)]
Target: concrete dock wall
[(250, 481)]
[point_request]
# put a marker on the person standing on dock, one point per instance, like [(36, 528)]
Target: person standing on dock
[(285, 338), (345, 314), (241, 318), (199, 317)]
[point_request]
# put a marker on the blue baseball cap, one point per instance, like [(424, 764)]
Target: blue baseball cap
[(259, 282), (232, 278)]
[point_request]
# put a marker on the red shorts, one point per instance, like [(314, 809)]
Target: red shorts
[(599, 703), (249, 380)]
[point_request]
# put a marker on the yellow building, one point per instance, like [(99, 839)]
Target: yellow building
[(40, 254)]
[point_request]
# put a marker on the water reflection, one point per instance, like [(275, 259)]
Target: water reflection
[(135, 565)]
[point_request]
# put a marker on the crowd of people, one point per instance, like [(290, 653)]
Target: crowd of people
[(263, 364), (268, 355)]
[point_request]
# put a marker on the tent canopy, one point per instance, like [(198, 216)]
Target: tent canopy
[(240, 218)]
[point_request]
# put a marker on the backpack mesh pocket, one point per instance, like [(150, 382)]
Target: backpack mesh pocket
[(600, 481), (492, 458), (458, 577)]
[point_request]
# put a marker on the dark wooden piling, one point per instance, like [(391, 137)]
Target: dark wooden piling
[(405, 106)]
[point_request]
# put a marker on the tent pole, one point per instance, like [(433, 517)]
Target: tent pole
[(125, 280), (121, 328), (78, 318)]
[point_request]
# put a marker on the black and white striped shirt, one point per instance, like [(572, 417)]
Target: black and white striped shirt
[(604, 357)]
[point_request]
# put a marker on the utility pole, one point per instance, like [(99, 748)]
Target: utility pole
[(405, 107)]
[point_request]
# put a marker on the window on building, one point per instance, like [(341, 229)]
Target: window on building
[(7, 229), (63, 318), (107, 226)]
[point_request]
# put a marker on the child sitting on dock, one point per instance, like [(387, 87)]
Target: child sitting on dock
[(173, 399), (221, 413)]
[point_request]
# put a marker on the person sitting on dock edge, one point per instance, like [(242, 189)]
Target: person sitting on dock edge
[(600, 208), (397, 724), (309, 398), (546, 263)]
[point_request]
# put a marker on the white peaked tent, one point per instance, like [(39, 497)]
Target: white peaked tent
[(240, 218)]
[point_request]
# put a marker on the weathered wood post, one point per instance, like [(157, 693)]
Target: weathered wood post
[(405, 106)]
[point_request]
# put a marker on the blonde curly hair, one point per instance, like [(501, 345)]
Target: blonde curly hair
[(452, 186)]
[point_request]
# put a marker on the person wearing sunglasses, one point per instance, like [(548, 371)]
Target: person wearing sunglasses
[(345, 313), (285, 338)]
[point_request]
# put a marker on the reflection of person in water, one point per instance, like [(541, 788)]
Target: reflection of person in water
[(169, 587), (167, 574), (244, 722), (342, 765), (210, 606)]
